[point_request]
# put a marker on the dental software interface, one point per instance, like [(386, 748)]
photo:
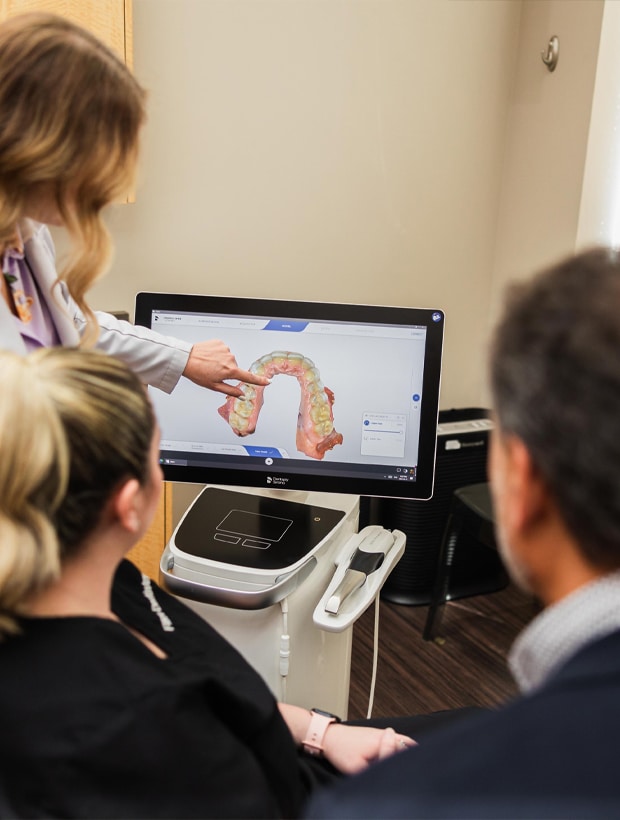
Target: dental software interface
[(343, 392)]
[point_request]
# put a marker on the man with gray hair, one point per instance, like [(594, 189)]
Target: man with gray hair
[(554, 468)]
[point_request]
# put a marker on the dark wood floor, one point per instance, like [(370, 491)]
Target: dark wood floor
[(466, 667)]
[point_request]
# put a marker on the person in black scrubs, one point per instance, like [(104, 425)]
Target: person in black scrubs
[(117, 700)]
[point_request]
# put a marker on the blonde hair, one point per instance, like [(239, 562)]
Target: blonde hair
[(73, 425), (70, 118)]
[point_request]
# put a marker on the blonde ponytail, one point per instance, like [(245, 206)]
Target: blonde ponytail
[(34, 472), (74, 423)]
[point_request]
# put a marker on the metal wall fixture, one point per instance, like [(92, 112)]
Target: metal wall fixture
[(551, 55)]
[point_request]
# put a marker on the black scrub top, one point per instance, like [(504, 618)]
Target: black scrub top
[(93, 724)]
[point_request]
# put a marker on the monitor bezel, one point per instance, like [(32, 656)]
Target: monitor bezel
[(420, 489)]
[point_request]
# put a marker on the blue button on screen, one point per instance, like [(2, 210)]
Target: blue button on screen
[(286, 325)]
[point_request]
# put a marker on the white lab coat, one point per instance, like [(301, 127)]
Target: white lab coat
[(159, 360)]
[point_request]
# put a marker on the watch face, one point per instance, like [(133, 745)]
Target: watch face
[(327, 714)]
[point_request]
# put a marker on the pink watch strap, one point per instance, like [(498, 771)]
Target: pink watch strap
[(313, 742)]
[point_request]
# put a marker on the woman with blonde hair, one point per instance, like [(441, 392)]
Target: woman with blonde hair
[(70, 119), (117, 700)]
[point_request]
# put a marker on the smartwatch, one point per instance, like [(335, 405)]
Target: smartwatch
[(319, 721)]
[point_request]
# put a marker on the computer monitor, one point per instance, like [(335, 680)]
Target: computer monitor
[(351, 408)]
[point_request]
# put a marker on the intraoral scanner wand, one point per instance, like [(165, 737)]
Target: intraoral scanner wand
[(366, 559)]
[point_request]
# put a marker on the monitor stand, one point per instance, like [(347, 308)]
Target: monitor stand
[(301, 496)]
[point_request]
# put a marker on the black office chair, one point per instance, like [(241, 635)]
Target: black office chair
[(468, 562)]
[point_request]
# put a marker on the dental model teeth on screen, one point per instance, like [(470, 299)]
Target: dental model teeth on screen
[(315, 422)]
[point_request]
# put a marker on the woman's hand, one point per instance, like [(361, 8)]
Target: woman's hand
[(211, 363), (351, 748), (348, 748)]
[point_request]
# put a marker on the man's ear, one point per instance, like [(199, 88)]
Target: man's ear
[(528, 491), (126, 506)]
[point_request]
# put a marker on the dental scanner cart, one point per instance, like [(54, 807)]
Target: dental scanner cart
[(283, 581)]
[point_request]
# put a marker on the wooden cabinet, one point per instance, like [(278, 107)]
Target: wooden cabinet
[(110, 20), (147, 552)]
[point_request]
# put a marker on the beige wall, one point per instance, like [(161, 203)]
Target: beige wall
[(546, 138), (411, 152), (347, 150)]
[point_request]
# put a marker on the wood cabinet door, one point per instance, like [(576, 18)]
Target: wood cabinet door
[(110, 20), (147, 552)]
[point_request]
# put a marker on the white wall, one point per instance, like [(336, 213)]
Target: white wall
[(546, 138), (599, 212), (323, 149)]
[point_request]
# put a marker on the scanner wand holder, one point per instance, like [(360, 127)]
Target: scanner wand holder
[(362, 567)]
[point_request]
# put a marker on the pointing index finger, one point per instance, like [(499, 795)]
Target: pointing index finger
[(252, 378)]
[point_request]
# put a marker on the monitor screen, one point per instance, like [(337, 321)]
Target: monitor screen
[(351, 407)]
